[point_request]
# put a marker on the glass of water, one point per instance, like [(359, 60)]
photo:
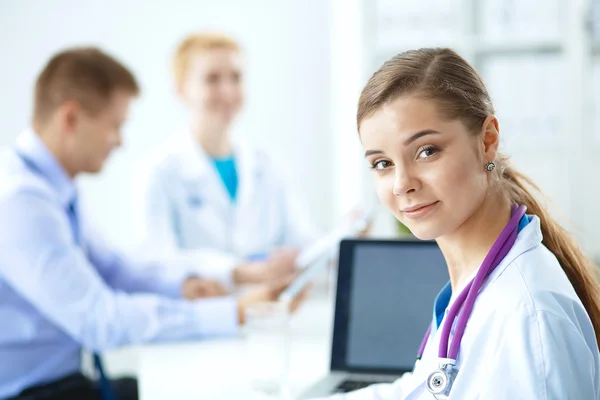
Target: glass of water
[(267, 335)]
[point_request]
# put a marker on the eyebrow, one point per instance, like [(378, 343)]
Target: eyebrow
[(419, 135), (408, 141), (371, 152)]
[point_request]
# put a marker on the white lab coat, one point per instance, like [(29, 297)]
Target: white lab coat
[(528, 337), (190, 220)]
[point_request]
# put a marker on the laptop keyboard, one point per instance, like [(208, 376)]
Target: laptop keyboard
[(350, 385)]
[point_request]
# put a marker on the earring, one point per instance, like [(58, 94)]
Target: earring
[(490, 166)]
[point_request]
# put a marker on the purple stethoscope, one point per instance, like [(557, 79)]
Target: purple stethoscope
[(440, 381)]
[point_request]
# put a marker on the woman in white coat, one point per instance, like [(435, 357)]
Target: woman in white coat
[(427, 124), (214, 201)]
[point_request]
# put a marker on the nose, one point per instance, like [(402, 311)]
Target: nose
[(229, 89), (404, 181)]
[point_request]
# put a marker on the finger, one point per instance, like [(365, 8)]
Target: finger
[(220, 290), (285, 254), (202, 291), (277, 286), (216, 290), (209, 289), (281, 282), (300, 298), (284, 274), (206, 290), (274, 288)]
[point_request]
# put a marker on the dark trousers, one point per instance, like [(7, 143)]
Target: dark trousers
[(79, 387)]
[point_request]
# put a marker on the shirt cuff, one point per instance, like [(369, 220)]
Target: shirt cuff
[(171, 282), (177, 268), (223, 275), (216, 267), (216, 316)]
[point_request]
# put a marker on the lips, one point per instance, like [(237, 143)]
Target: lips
[(420, 210)]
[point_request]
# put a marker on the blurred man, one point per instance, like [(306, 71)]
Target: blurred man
[(62, 287)]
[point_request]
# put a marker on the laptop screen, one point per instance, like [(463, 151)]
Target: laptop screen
[(385, 296)]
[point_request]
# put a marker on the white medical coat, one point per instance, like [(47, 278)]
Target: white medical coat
[(190, 219), (528, 337)]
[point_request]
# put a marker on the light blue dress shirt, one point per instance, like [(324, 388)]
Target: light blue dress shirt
[(63, 287)]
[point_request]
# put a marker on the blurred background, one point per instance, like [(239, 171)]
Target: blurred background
[(307, 61), (306, 64)]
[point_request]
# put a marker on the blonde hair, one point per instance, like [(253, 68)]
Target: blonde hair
[(443, 76), (87, 75), (196, 43)]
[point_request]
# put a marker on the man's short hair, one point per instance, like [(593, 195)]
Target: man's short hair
[(87, 75)]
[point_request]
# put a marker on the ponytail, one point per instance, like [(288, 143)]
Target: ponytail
[(580, 270)]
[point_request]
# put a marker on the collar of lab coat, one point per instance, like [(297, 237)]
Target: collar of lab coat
[(196, 165), (529, 237), (195, 161)]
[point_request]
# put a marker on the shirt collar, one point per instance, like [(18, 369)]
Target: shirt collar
[(37, 157)]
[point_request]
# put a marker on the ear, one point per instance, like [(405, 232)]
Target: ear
[(490, 138), (69, 114)]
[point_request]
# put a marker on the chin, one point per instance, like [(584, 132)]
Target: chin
[(225, 119), (425, 235), (95, 168), (424, 230)]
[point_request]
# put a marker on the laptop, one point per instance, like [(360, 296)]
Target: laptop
[(384, 304)]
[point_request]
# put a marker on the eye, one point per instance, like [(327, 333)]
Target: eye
[(213, 78), (427, 152), (380, 165)]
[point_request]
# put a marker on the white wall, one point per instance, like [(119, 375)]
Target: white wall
[(287, 44)]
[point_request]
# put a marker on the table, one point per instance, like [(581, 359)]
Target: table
[(216, 369)]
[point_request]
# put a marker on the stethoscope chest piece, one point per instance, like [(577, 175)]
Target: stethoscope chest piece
[(441, 380)]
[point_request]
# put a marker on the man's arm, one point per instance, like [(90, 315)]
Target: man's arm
[(42, 264)]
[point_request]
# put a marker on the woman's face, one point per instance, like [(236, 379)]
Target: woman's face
[(428, 171), (213, 86)]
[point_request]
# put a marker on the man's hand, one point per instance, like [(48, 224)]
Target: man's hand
[(268, 293), (281, 264), (197, 288)]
